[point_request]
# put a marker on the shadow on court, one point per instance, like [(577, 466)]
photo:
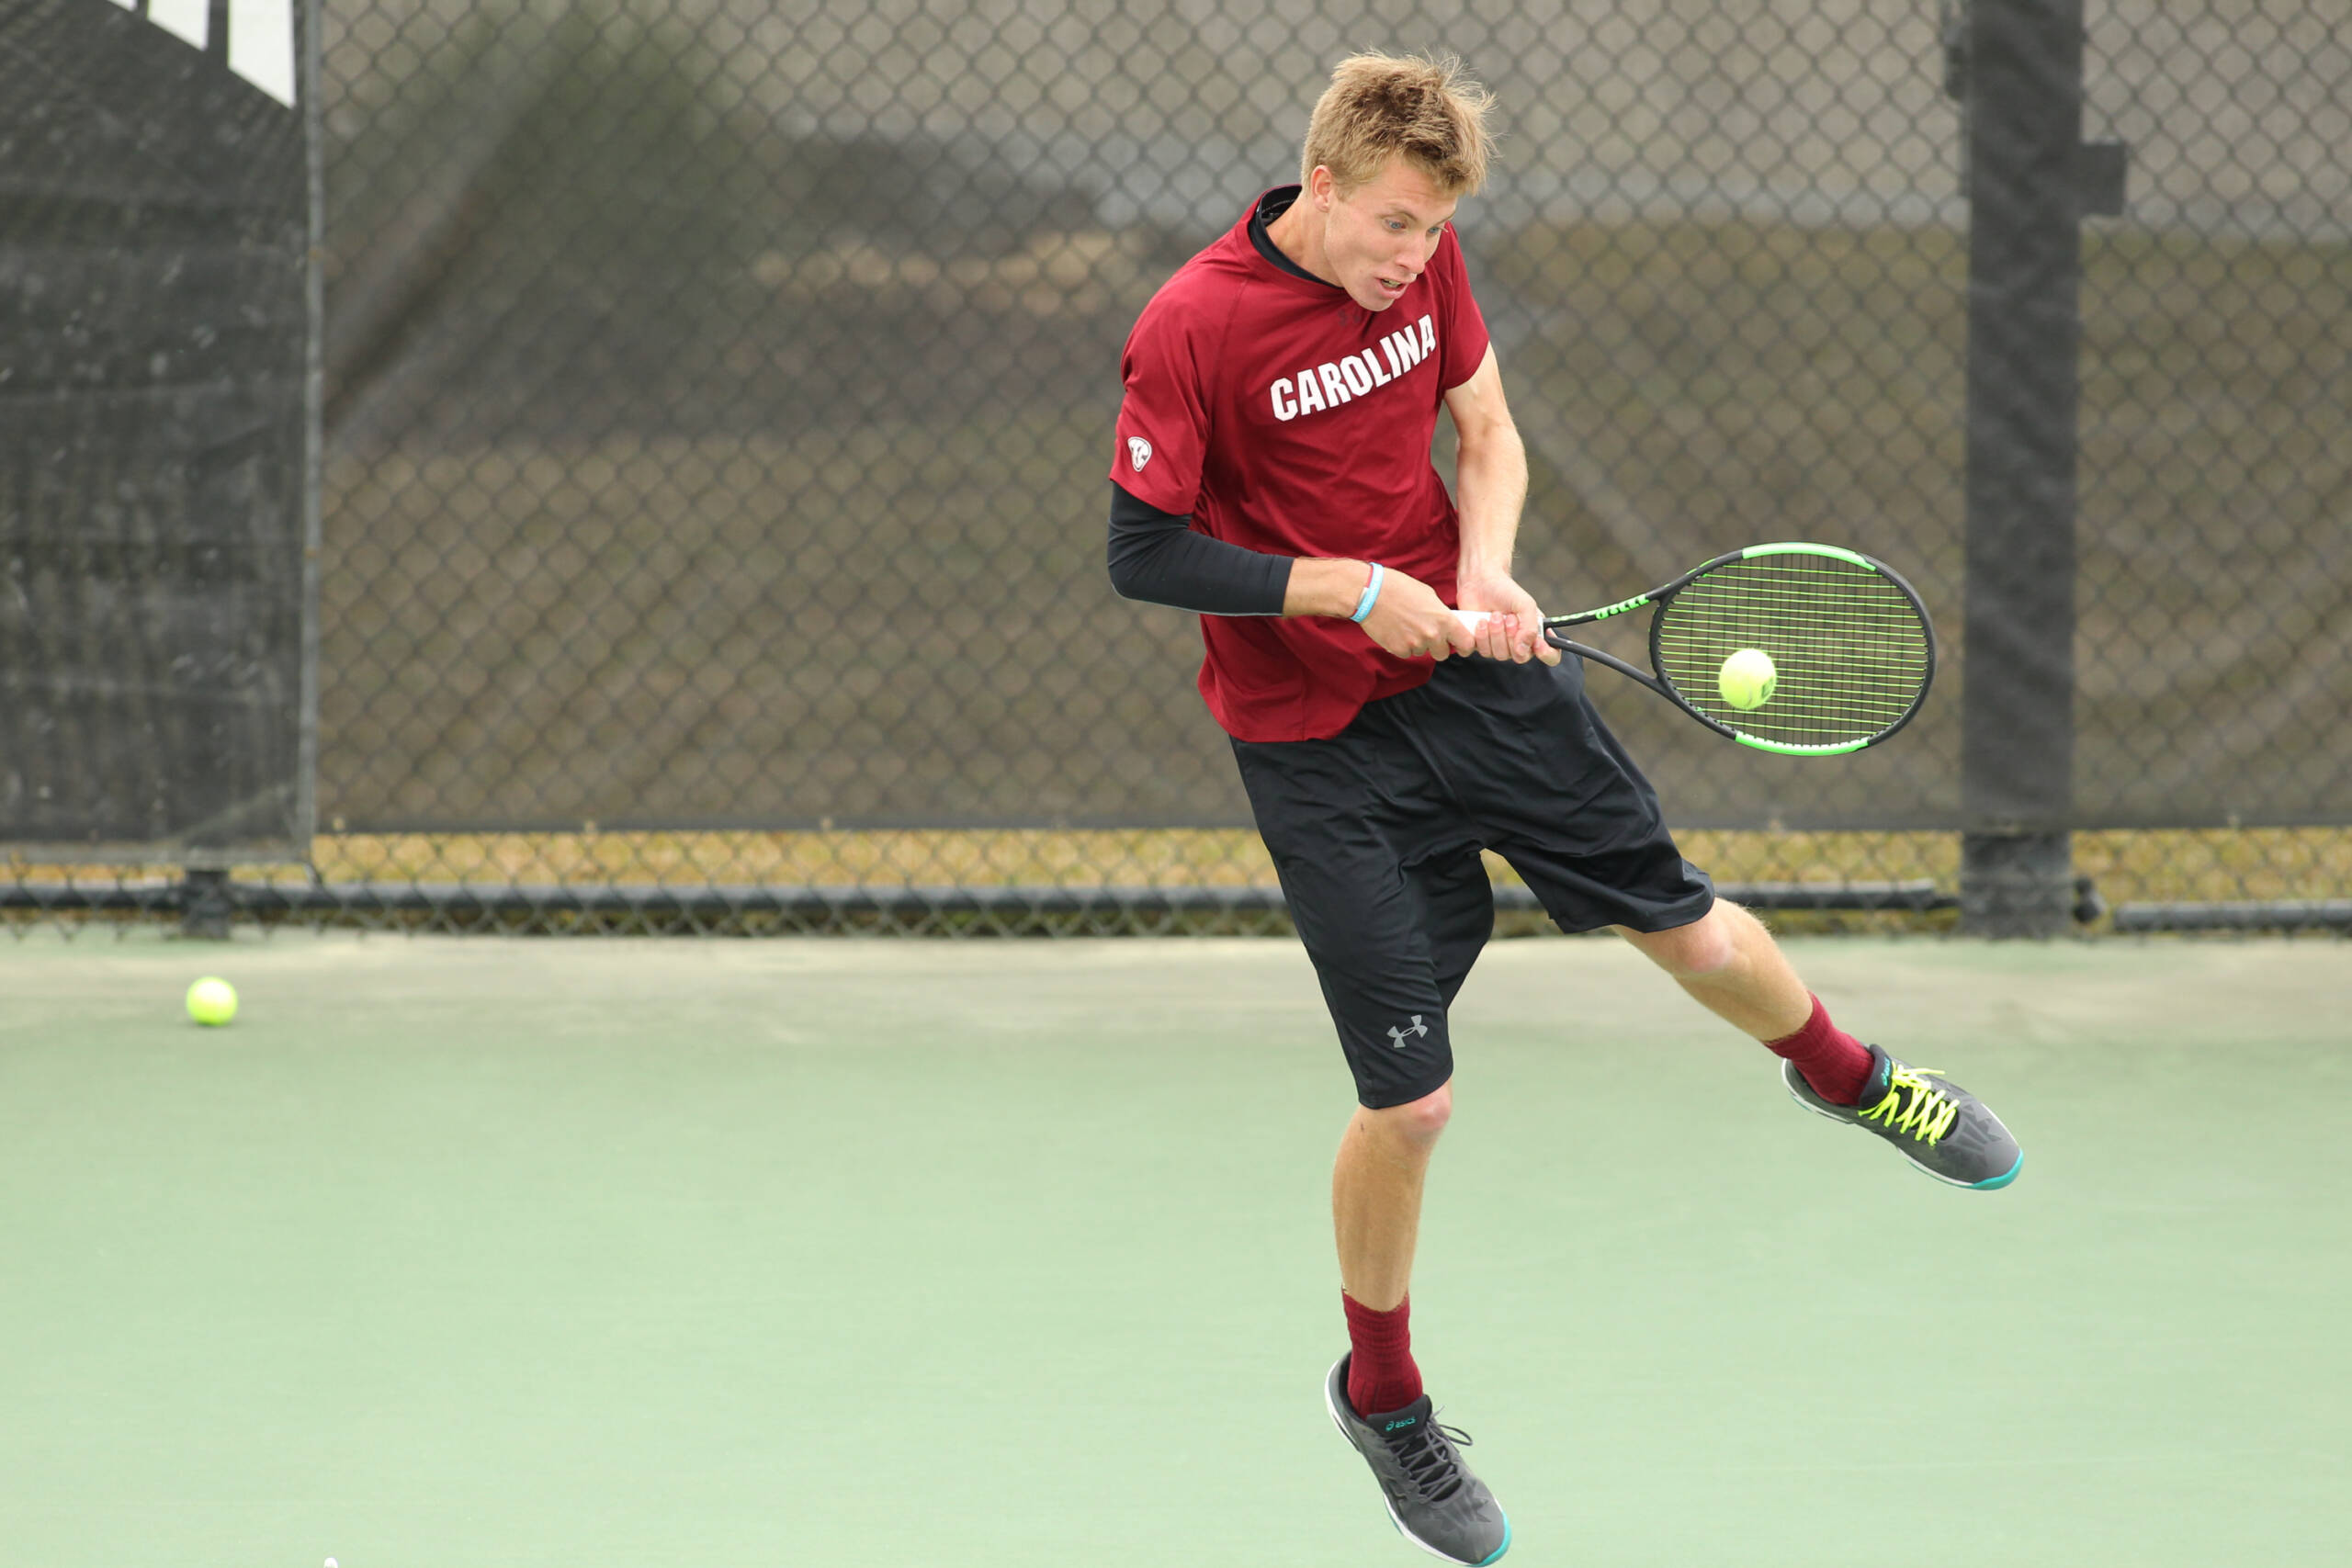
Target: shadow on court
[(505, 1253)]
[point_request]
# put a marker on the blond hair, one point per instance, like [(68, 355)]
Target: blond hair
[(1422, 107)]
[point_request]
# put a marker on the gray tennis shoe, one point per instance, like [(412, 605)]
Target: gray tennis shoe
[(1937, 1125), (1432, 1498)]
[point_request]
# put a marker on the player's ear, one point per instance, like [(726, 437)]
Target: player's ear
[(1322, 187)]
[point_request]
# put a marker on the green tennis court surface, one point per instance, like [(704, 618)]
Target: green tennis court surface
[(505, 1253)]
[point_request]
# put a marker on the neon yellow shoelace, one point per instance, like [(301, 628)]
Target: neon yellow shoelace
[(1927, 1115)]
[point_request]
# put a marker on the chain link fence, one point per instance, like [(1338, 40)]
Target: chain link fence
[(718, 392)]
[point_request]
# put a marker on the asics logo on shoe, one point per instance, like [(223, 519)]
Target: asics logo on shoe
[(1399, 1426), (1396, 1036)]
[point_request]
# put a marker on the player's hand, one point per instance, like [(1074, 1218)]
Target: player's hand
[(1513, 627), (1410, 621)]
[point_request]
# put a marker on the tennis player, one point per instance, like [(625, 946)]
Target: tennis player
[(1272, 473)]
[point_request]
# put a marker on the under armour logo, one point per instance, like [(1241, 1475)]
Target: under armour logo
[(1138, 452), (1396, 1036)]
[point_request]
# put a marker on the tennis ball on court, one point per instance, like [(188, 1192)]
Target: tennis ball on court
[(1747, 679), (212, 1000)]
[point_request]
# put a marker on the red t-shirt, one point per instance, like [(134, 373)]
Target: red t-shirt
[(1284, 417)]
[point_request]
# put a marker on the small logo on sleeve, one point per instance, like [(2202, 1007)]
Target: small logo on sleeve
[(1138, 452)]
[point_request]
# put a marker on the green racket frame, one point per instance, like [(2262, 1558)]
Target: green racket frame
[(1657, 679)]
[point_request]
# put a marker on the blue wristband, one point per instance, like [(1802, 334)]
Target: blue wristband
[(1371, 593)]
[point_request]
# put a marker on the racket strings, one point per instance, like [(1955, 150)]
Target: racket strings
[(1850, 652)]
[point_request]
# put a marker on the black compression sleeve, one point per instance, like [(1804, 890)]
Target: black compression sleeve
[(1159, 558)]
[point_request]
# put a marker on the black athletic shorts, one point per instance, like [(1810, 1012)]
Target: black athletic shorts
[(1376, 831)]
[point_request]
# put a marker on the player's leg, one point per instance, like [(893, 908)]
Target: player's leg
[(1332, 813), (1564, 803), (1377, 1215), (1729, 963), (1432, 1497), (1385, 1153)]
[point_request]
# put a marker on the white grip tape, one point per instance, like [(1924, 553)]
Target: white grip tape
[(1473, 621)]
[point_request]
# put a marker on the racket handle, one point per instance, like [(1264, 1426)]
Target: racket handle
[(1473, 621)]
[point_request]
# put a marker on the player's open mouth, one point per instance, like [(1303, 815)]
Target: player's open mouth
[(1391, 290)]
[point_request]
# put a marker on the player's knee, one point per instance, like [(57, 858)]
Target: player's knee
[(1706, 946), (1419, 1121)]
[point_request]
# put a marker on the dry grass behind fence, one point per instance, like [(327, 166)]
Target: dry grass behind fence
[(2126, 867)]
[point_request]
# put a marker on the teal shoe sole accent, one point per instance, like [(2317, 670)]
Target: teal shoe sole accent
[(1498, 1556), (2001, 1180)]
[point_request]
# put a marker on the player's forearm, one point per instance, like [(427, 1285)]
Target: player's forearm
[(1491, 484), (1325, 587)]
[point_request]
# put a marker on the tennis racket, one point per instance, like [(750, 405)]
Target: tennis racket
[(1850, 648)]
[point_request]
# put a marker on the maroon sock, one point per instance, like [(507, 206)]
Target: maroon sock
[(1834, 1063), (1381, 1373)]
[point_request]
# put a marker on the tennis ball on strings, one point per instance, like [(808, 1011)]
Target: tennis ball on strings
[(1747, 679), (212, 1001)]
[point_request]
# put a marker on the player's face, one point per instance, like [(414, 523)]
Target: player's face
[(1379, 236)]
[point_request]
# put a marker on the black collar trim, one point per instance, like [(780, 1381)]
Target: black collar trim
[(1270, 206)]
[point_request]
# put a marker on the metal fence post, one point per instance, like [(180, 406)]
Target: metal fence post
[(206, 908), (2022, 81)]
